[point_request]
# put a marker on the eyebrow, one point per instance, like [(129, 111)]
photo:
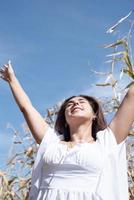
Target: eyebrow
[(79, 99)]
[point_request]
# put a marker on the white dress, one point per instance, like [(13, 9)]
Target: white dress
[(88, 171)]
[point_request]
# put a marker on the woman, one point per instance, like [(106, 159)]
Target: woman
[(82, 158)]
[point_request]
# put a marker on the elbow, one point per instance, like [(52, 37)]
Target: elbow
[(26, 108), (23, 109)]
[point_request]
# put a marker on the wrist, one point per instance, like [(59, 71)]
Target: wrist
[(12, 79)]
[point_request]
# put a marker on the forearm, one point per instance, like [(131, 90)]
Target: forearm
[(19, 94), (35, 121), (124, 118)]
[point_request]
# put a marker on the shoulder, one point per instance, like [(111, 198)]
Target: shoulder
[(107, 138), (50, 136), (107, 141)]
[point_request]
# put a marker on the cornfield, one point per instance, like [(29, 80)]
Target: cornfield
[(16, 179)]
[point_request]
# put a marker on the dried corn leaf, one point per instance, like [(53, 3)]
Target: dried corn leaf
[(103, 84), (111, 29), (116, 54), (117, 43)]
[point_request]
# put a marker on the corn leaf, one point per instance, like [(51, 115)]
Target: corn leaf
[(132, 83), (128, 61), (102, 84), (116, 54), (117, 43), (129, 73)]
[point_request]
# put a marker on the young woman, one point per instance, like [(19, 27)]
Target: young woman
[(82, 158)]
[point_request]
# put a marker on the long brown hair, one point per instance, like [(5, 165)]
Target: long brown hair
[(99, 123)]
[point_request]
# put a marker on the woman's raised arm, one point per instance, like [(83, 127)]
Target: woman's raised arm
[(124, 117), (34, 120)]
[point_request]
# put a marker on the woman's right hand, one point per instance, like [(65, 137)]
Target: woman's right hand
[(35, 121), (7, 72)]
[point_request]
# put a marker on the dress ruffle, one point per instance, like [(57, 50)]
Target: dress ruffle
[(95, 171)]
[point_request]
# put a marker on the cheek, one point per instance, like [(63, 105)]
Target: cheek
[(90, 112), (68, 110)]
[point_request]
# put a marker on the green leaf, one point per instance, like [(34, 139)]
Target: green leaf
[(129, 73), (128, 61), (132, 83)]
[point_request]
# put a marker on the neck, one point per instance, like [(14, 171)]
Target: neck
[(81, 132)]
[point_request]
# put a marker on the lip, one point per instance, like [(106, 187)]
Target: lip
[(76, 108)]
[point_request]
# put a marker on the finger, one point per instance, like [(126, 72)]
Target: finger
[(6, 66), (2, 69), (9, 62), (3, 78), (2, 73)]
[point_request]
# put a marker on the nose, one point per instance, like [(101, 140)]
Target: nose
[(76, 103)]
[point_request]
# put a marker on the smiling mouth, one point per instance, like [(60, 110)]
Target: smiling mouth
[(76, 108)]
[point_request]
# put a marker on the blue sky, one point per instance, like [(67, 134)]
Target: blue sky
[(53, 45)]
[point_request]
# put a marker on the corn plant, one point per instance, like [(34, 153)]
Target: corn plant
[(121, 53), (15, 181)]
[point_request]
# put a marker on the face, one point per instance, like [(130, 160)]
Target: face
[(78, 108)]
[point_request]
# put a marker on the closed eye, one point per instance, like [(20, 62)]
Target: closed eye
[(82, 101), (70, 103)]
